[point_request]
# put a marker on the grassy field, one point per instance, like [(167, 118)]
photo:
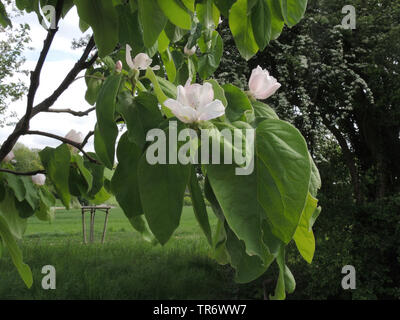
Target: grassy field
[(125, 267)]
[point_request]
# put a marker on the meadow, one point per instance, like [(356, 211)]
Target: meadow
[(125, 267)]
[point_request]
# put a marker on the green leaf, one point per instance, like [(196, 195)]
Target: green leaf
[(174, 33), (24, 209), (248, 268), (208, 14), (102, 16), (56, 162), (130, 32), (124, 183), (9, 212), (283, 175), (261, 22), (139, 224), (224, 6), (101, 197), (152, 19), (141, 114), (15, 253), (4, 20), (280, 293), (199, 206), (315, 181), (94, 83), (163, 42), (97, 172), (106, 126), (263, 111), (237, 196), (176, 13), (209, 61), (304, 236), (277, 21), (293, 11), (238, 103), (218, 92), (189, 4), (16, 184), (242, 29), (195, 34), (78, 160), (169, 65), (162, 187), (220, 253)]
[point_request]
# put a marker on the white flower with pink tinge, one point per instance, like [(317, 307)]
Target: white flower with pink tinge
[(262, 85), (74, 136), (118, 66), (195, 103), (39, 179), (141, 62)]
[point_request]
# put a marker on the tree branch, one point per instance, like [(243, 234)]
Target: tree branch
[(85, 141), (35, 75), (21, 126), (30, 173), (74, 113), (62, 139)]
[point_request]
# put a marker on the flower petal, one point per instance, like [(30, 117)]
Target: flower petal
[(129, 60), (184, 113), (210, 111), (142, 61), (206, 94)]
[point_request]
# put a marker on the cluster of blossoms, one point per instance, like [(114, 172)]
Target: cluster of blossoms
[(195, 102)]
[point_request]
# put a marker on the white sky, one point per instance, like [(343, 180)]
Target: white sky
[(60, 60)]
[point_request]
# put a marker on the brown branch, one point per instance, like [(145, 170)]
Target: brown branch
[(82, 64), (20, 127), (35, 75), (30, 173), (85, 141), (65, 140), (73, 112)]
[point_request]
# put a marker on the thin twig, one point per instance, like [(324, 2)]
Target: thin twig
[(85, 141), (30, 173), (21, 127), (73, 112), (65, 140)]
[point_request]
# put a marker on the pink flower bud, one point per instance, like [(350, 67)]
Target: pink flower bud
[(118, 66), (262, 85), (39, 179)]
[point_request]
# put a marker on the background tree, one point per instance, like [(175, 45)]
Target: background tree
[(13, 42)]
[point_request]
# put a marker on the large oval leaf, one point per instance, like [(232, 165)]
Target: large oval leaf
[(106, 127), (103, 18), (124, 183), (284, 172), (242, 29)]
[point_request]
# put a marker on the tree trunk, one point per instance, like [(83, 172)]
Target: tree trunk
[(349, 159)]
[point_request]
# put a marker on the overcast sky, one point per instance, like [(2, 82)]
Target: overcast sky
[(60, 60)]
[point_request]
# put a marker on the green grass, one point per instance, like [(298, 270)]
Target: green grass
[(125, 267)]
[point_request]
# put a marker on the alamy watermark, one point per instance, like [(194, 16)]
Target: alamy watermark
[(349, 21), (49, 16), (205, 146)]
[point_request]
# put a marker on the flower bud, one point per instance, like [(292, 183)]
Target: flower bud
[(189, 52), (39, 179), (262, 85), (118, 66)]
